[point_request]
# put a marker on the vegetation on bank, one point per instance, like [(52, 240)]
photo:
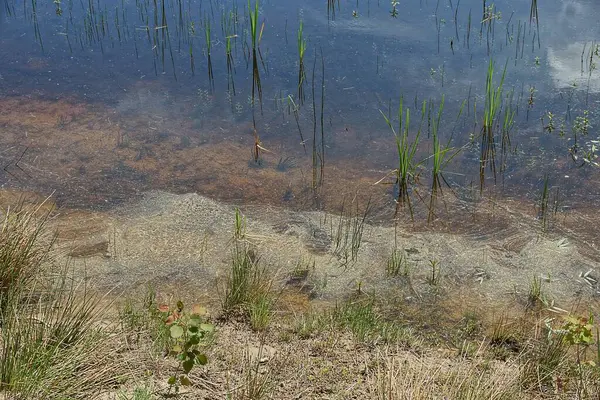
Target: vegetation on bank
[(61, 339)]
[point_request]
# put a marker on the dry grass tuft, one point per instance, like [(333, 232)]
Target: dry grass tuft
[(412, 378)]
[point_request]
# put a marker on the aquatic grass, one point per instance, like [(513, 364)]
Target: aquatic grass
[(492, 108), (508, 121), (318, 149), (441, 156), (191, 35), (286, 163), (331, 8), (301, 69), (207, 36), (533, 12), (490, 15), (534, 16), (322, 156), (295, 108), (230, 63), (256, 148), (315, 151), (256, 38), (406, 174)]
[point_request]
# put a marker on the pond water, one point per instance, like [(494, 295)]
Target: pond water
[(101, 100)]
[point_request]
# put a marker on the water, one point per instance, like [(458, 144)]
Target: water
[(103, 100)]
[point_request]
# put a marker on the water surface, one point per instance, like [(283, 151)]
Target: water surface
[(103, 100)]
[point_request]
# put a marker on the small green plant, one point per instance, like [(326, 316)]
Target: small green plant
[(347, 235), (550, 126), (581, 125), (239, 231), (394, 10), (257, 383), (247, 289), (406, 175), (435, 277), (188, 333), (260, 310), (359, 316), (397, 264), (578, 332), (536, 294), (242, 277), (138, 393), (308, 324)]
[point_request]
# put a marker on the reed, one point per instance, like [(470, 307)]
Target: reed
[(301, 69), (492, 108), (230, 63), (315, 151), (331, 8), (322, 156), (256, 148), (508, 121), (406, 173), (207, 36), (441, 156), (256, 38), (533, 13), (296, 110)]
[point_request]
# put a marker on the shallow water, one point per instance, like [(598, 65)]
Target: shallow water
[(103, 102)]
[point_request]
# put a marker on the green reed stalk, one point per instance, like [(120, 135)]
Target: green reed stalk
[(192, 34), (256, 86), (314, 142), (508, 121), (295, 108), (207, 37), (441, 156), (406, 171), (322, 118), (230, 64), (493, 104), (301, 70)]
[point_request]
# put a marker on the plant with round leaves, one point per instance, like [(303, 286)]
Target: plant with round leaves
[(578, 331), (188, 333)]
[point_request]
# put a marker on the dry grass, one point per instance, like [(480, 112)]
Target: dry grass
[(52, 344), (410, 377)]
